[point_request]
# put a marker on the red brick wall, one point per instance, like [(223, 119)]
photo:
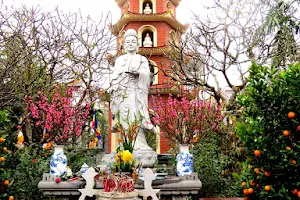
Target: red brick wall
[(135, 6), (161, 6)]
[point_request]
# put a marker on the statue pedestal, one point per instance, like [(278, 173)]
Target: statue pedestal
[(146, 157)]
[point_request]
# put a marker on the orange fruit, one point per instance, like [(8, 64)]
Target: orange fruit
[(250, 190), (298, 128), (11, 198), (257, 153), (294, 191), (4, 149), (6, 182), (288, 148), (291, 115), (286, 133), (294, 162), (267, 188), (1, 139), (2, 159), (267, 174), (246, 192), (256, 170), (244, 184), (298, 194)]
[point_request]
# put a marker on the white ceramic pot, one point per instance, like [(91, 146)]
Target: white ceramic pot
[(58, 161), (184, 160)]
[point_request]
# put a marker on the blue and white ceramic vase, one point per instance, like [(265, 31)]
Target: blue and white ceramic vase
[(184, 160), (58, 161)]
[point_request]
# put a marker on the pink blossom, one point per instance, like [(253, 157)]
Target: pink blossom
[(178, 114), (57, 116)]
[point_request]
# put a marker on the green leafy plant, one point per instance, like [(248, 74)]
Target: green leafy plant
[(128, 131), (212, 166), (270, 131)]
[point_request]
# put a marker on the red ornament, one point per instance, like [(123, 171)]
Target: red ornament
[(106, 185), (57, 180)]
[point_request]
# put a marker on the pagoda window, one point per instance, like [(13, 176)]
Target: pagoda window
[(147, 6), (154, 71), (148, 36)]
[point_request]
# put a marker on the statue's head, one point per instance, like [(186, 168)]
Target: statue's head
[(131, 41)]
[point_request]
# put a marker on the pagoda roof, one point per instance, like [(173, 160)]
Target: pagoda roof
[(154, 51), (157, 17)]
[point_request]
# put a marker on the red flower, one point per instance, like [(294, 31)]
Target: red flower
[(34, 160)]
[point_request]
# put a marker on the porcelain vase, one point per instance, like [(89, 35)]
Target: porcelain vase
[(184, 160), (58, 161)]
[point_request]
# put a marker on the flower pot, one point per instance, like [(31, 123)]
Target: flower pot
[(117, 195), (58, 161), (184, 160)]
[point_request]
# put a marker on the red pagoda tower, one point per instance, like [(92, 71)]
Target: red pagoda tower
[(155, 22)]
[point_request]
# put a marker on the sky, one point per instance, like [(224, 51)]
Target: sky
[(95, 8)]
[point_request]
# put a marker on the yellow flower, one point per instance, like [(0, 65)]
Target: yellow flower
[(127, 156)]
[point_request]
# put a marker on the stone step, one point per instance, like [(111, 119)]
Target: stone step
[(164, 159)]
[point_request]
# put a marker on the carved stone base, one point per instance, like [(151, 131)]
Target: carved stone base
[(146, 157), (117, 195)]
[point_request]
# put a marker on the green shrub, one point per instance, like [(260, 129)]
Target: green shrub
[(212, 166), (269, 97), (32, 162)]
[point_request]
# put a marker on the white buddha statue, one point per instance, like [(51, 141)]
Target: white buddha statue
[(147, 41), (129, 89), (147, 9)]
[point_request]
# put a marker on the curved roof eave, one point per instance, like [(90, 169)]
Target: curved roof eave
[(136, 17)]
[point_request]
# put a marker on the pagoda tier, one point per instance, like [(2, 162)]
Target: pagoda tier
[(120, 3), (129, 17)]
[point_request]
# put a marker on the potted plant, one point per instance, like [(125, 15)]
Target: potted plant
[(124, 161), (61, 120), (184, 122)]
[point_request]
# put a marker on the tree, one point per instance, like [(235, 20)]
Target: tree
[(269, 130), (218, 49), (281, 26), (39, 50)]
